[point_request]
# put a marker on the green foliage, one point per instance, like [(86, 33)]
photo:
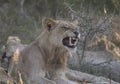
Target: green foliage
[(97, 5), (13, 23), (117, 43)]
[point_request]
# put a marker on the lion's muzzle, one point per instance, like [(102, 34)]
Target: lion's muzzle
[(71, 42)]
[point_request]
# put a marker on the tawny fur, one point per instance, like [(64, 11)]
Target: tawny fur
[(46, 57), (4, 77)]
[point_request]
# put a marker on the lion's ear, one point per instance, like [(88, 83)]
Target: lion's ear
[(49, 23), (75, 22)]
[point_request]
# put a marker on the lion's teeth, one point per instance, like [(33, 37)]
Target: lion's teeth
[(73, 41), (79, 36), (76, 42), (73, 38), (70, 39)]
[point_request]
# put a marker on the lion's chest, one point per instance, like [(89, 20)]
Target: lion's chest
[(32, 62)]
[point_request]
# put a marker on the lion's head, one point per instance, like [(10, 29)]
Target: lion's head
[(56, 42), (62, 33), (9, 48), (12, 44)]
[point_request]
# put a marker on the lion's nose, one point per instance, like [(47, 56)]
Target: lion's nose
[(77, 34)]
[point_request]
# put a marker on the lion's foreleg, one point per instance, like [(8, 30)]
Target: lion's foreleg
[(40, 80), (64, 81), (14, 61), (78, 76)]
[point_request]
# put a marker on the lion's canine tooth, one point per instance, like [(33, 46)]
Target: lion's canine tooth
[(70, 40), (76, 41), (79, 36), (73, 38)]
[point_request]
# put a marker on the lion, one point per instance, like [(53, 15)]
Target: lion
[(5, 78), (13, 43), (44, 61)]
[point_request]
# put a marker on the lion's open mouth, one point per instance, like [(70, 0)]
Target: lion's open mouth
[(70, 42)]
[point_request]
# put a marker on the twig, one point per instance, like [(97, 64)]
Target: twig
[(23, 12)]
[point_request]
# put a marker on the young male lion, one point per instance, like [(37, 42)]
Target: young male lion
[(45, 59)]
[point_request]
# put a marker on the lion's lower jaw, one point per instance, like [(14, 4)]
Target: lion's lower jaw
[(71, 51)]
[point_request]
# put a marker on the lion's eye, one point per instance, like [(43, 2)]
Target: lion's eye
[(65, 28)]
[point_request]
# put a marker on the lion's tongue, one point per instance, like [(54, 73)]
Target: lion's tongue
[(72, 41)]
